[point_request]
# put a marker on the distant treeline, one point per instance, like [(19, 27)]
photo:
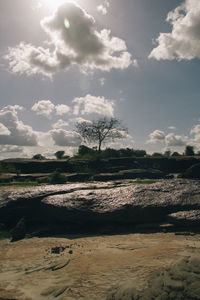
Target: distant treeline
[(91, 153)]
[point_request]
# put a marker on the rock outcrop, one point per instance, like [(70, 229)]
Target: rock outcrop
[(94, 205)]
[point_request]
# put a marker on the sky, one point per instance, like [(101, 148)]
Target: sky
[(63, 62)]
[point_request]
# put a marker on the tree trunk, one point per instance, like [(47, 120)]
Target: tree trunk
[(99, 149)]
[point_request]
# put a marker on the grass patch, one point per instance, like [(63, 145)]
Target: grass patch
[(4, 234), (19, 183)]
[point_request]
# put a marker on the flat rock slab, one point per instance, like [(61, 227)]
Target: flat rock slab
[(109, 203)]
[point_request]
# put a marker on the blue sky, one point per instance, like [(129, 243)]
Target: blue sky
[(137, 60)]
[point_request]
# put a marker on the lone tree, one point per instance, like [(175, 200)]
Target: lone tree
[(189, 150), (101, 130), (59, 154)]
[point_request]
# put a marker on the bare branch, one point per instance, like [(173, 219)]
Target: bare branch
[(101, 130)]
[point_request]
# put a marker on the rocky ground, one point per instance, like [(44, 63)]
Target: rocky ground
[(87, 267), (96, 205), (92, 265)]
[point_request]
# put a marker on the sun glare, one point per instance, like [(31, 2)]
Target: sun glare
[(53, 4)]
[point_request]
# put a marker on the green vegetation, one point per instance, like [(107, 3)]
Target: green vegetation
[(19, 183), (176, 154), (157, 154), (4, 233), (85, 152), (189, 150), (57, 178), (38, 156), (59, 154), (101, 130), (5, 168)]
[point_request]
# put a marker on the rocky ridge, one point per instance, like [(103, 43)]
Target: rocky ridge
[(87, 206)]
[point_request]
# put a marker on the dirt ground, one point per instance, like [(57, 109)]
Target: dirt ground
[(78, 267)]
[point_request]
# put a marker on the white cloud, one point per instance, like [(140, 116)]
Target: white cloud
[(81, 120), (4, 130), (156, 136), (94, 105), (46, 108), (62, 109), (103, 8), (13, 107), (172, 140), (102, 81), (169, 140), (20, 134), (183, 41), (126, 142), (43, 107), (172, 127), (11, 149), (29, 60), (60, 124), (195, 131), (135, 63), (76, 41), (63, 137)]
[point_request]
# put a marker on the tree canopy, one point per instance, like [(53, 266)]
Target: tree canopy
[(101, 130), (59, 154), (189, 150)]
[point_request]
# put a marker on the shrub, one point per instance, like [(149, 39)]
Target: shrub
[(59, 154), (157, 154), (82, 150), (189, 150), (57, 178), (38, 156), (176, 154)]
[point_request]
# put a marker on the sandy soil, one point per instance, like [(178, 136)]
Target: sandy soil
[(86, 267)]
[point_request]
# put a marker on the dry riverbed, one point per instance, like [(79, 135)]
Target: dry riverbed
[(86, 267)]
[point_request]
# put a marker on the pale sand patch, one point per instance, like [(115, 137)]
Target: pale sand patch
[(28, 269)]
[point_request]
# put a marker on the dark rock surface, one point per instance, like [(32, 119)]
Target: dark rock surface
[(189, 217), (164, 164), (90, 205), (131, 174), (179, 282), (192, 172)]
